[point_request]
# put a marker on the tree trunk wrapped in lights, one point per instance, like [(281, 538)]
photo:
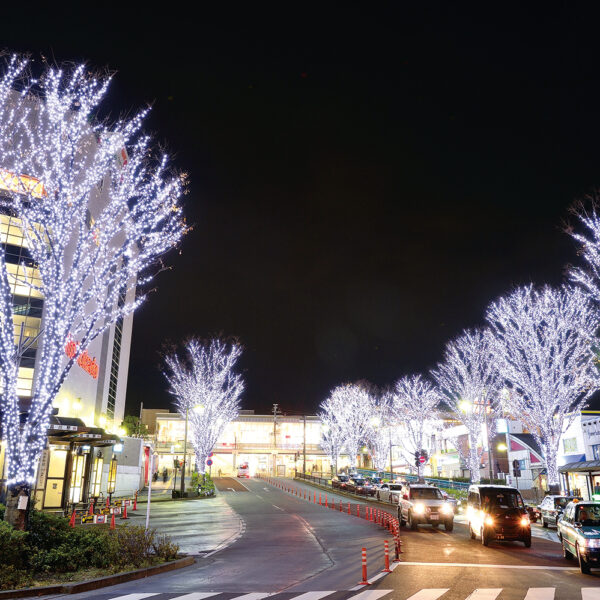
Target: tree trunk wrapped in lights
[(332, 432), (378, 433), (415, 401), (544, 344), (93, 226), (207, 390), (469, 382)]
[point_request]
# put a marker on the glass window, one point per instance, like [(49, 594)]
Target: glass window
[(588, 514), (596, 451), (25, 381), (502, 498), (570, 445), (426, 494)]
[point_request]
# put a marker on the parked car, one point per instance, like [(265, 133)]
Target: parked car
[(354, 484), (552, 508), (422, 503), (389, 492), (497, 512), (367, 488), (340, 481), (578, 530)]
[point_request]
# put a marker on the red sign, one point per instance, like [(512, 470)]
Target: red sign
[(85, 361), (209, 462), (210, 455), (422, 459)]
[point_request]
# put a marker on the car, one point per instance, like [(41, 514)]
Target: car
[(389, 492), (354, 484), (579, 534), (424, 504), (243, 471), (497, 512), (367, 488), (451, 500), (552, 508), (340, 481)]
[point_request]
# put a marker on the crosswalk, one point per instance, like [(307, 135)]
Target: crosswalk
[(537, 593)]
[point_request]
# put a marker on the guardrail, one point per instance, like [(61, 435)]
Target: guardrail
[(314, 478), (442, 483)]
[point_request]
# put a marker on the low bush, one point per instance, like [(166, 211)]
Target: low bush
[(164, 548), (13, 546), (135, 544), (12, 578)]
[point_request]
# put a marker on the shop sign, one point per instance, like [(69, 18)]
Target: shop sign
[(85, 361)]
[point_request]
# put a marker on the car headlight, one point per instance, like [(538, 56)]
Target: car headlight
[(489, 520), (447, 509), (525, 522), (419, 509), (588, 542)]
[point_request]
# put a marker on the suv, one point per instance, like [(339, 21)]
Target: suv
[(552, 507), (579, 535), (497, 512), (422, 503), (340, 481)]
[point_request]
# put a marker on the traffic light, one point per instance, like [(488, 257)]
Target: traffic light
[(417, 457), (425, 455), (517, 468)]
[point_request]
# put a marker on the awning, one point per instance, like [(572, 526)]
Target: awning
[(579, 467)]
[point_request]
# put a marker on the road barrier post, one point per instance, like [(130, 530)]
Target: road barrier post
[(320, 499), (135, 500), (124, 515), (364, 568), (386, 554), (72, 519), (348, 507), (91, 510), (340, 504), (326, 505), (358, 510), (112, 521)]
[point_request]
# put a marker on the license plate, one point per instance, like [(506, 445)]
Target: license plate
[(434, 517)]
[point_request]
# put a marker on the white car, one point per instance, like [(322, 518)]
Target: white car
[(389, 492)]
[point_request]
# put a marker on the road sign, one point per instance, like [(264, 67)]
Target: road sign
[(209, 462), (210, 455), (422, 459)]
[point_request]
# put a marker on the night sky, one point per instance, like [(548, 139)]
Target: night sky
[(363, 181)]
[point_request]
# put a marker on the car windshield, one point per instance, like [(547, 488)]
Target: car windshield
[(588, 514), (561, 502), (395, 487), (343, 477), (426, 493), (501, 498)]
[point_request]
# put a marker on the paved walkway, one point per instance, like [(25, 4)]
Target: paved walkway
[(199, 526)]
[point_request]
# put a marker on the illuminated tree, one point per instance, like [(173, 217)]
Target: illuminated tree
[(207, 391), (469, 381), (588, 278), (544, 342), (93, 226), (332, 431), (415, 401), (379, 429)]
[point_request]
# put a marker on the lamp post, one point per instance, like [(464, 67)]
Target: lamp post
[(184, 464)]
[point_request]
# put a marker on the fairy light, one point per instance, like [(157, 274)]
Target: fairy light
[(469, 382), (378, 429), (207, 389), (544, 342), (414, 406), (48, 131), (346, 412)]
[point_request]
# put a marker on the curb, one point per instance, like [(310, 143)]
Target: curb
[(94, 584)]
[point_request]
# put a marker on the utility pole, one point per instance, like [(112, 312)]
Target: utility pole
[(184, 465), (304, 446), (275, 440)]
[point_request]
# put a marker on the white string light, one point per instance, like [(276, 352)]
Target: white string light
[(93, 226), (207, 389)]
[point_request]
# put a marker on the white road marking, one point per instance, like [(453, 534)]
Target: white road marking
[(252, 596), (540, 594), (278, 508), (371, 594), (429, 594), (487, 566), (484, 594), (135, 596), (312, 595), (196, 596), (590, 593), (231, 489)]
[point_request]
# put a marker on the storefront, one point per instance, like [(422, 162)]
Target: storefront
[(581, 478)]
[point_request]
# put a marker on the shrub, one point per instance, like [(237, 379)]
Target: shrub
[(2, 509), (164, 548), (47, 531), (12, 578), (13, 546), (135, 544)]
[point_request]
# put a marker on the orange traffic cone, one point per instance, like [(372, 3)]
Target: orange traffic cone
[(135, 501), (112, 522), (107, 502), (91, 511), (124, 515), (72, 520)]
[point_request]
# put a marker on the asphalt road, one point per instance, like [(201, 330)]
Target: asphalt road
[(290, 547)]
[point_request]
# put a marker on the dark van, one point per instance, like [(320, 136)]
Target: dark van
[(497, 512)]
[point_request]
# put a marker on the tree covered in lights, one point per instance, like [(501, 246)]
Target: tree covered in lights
[(207, 391), (414, 406), (350, 404), (332, 430), (380, 429), (589, 275), (469, 382), (544, 343), (98, 207)]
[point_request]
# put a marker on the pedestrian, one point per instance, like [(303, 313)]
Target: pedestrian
[(219, 472), (165, 475)]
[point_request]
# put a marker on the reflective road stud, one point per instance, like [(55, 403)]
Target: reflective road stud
[(364, 568)]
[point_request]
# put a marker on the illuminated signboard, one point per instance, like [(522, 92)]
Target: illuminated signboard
[(21, 184), (85, 361)]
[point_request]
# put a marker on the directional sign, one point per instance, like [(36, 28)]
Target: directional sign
[(209, 462)]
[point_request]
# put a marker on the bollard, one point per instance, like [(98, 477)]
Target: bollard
[(319, 499), (315, 498), (112, 521), (91, 511), (364, 568), (386, 554), (333, 504), (72, 519), (398, 549), (358, 510), (124, 514), (326, 506), (348, 507), (340, 504), (135, 501), (107, 503)]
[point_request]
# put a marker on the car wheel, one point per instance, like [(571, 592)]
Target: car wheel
[(544, 523), (449, 525), (471, 532), (378, 496), (484, 538), (401, 518), (411, 522), (527, 542), (566, 553), (583, 565)]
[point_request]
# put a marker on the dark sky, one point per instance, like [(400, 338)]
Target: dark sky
[(363, 181)]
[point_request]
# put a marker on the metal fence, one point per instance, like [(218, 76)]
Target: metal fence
[(442, 483)]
